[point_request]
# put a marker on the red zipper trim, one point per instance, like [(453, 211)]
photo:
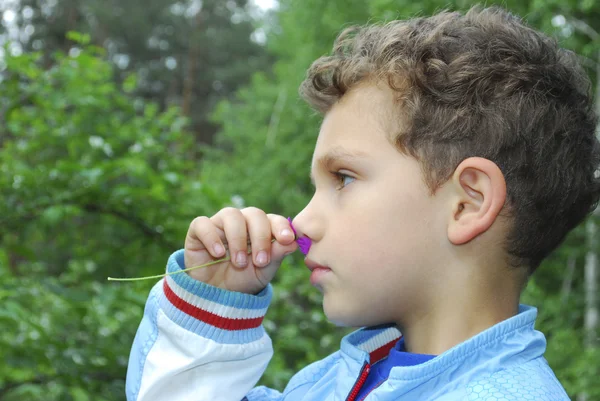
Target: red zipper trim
[(362, 378), (370, 391)]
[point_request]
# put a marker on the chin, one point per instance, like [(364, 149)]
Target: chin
[(343, 317), (340, 322)]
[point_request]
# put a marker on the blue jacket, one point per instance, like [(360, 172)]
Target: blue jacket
[(197, 342)]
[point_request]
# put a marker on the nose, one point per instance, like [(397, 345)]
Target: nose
[(309, 222)]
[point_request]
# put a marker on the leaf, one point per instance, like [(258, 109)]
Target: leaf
[(130, 83), (77, 37)]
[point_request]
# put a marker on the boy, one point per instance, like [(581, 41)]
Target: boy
[(456, 152)]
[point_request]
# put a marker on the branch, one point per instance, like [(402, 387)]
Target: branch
[(585, 28), (587, 62), (135, 221), (275, 116), (131, 219)]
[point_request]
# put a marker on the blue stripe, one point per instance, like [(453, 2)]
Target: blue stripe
[(145, 338), (214, 294)]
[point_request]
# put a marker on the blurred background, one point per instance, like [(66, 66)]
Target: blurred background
[(122, 120)]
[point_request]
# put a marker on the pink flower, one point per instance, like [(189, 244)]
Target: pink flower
[(304, 243)]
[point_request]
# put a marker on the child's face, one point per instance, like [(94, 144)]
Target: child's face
[(378, 230)]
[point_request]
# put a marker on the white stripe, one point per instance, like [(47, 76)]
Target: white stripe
[(229, 312), (379, 340)]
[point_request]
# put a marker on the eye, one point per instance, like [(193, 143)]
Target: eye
[(342, 179)]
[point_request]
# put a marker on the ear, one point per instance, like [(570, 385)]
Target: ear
[(480, 191)]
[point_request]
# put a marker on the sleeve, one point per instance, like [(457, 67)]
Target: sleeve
[(197, 342)]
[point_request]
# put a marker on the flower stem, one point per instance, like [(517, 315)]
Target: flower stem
[(214, 262)]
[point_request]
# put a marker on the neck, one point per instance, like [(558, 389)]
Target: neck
[(462, 308)]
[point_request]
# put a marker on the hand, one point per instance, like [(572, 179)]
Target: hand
[(230, 228)]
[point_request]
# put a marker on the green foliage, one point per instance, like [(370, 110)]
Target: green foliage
[(94, 183), (70, 328)]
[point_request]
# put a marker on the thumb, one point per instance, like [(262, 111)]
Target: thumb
[(280, 251)]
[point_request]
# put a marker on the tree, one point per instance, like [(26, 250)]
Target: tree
[(90, 174), (188, 53)]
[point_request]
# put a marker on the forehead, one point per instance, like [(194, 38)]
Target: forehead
[(359, 125)]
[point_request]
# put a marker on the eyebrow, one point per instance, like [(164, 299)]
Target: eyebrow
[(327, 161)]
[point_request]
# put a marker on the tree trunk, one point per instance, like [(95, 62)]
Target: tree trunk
[(590, 320), (591, 287), (567, 285), (189, 80)]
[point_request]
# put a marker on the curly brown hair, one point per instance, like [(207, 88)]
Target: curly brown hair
[(482, 84)]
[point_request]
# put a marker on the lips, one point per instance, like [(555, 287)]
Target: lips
[(312, 265), (318, 273)]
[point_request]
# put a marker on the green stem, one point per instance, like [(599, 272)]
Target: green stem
[(214, 262)]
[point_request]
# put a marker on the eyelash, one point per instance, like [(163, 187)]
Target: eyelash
[(340, 177)]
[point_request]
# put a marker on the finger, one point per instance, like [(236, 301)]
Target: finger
[(259, 228), (202, 234), (284, 237), (278, 252), (234, 225), (281, 229)]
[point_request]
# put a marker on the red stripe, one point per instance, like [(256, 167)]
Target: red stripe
[(209, 317), (382, 351)]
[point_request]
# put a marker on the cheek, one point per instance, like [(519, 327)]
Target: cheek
[(367, 240), (387, 223)]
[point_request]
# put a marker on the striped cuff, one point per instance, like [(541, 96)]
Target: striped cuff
[(226, 317)]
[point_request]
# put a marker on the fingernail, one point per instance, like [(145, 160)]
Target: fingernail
[(241, 258), (261, 258), (286, 232), (218, 249)]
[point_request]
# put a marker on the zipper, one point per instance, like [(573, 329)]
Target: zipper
[(370, 391), (362, 378)]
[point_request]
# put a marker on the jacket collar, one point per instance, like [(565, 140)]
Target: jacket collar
[(514, 337)]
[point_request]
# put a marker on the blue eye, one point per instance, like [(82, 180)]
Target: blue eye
[(343, 179)]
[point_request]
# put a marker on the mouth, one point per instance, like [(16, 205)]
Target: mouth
[(312, 265), (318, 272)]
